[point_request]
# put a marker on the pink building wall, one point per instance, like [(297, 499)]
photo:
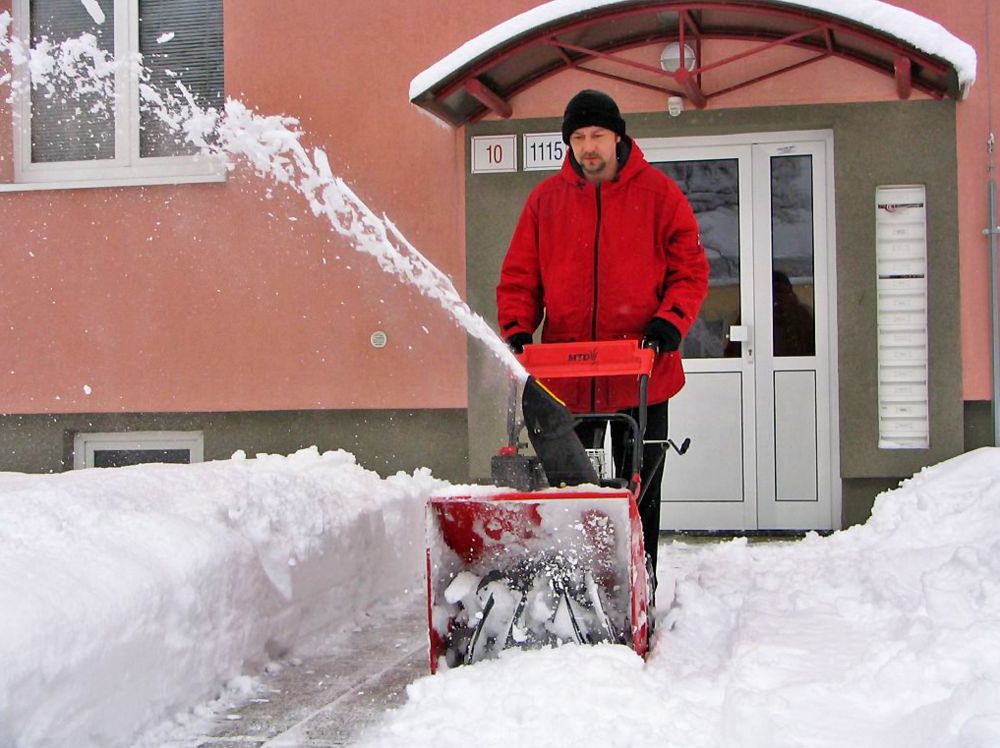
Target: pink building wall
[(210, 297), (193, 297), (975, 23)]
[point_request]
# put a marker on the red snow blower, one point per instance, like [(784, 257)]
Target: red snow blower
[(554, 553)]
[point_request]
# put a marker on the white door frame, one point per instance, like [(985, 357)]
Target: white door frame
[(753, 148)]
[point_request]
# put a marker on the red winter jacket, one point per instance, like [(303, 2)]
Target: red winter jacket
[(599, 262)]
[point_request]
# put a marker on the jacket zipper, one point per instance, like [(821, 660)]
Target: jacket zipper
[(593, 319)]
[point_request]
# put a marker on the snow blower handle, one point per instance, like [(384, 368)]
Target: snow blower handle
[(600, 358)]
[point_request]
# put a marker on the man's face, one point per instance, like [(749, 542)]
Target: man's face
[(594, 149)]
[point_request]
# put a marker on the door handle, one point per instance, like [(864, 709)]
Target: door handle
[(744, 335)]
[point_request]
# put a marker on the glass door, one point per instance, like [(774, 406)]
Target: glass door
[(713, 485), (757, 401), (792, 372)]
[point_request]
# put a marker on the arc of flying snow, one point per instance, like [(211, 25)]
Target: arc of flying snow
[(405, 261), (95, 11), (272, 147)]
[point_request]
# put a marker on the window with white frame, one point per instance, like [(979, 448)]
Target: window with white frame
[(103, 133), (119, 449)]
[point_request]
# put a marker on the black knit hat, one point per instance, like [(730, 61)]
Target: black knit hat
[(591, 108)]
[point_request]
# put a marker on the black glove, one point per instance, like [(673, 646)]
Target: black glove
[(661, 336), (518, 340)]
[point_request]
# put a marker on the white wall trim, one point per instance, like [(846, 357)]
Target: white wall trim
[(77, 184)]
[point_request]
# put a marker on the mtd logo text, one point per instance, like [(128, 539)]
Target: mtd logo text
[(588, 356)]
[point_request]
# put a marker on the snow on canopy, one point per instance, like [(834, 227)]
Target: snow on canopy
[(905, 25)]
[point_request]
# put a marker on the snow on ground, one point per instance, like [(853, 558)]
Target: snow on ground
[(132, 594), (883, 635)]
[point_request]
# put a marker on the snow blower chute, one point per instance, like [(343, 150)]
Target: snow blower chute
[(554, 553)]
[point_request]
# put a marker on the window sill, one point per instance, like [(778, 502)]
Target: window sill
[(122, 181)]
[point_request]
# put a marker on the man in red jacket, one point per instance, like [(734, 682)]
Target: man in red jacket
[(607, 249)]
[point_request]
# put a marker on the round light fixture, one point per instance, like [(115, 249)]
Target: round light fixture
[(670, 57)]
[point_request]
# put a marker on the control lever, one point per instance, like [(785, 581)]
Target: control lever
[(684, 445), (670, 443)]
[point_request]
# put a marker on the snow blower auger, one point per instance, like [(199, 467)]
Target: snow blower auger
[(554, 554)]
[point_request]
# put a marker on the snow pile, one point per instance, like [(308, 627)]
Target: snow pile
[(129, 594), (905, 25), (882, 635)]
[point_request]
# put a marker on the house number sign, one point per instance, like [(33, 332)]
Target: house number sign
[(543, 150), (494, 153)]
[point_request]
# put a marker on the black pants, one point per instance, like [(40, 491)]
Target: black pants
[(591, 433)]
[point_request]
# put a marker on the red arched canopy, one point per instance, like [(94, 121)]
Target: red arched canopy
[(483, 75)]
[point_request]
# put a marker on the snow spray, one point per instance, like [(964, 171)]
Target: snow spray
[(270, 145)]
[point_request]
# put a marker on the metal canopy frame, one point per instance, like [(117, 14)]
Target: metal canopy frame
[(596, 41)]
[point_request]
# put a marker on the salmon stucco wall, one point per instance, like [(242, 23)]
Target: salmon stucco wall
[(233, 296), (976, 23)]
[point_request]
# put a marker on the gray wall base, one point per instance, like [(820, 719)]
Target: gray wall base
[(385, 441)]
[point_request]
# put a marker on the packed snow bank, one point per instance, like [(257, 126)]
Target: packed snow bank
[(132, 593), (882, 635)]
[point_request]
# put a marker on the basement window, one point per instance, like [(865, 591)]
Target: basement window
[(118, 449)]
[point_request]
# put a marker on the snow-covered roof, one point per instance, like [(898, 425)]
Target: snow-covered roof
[(887, 22)]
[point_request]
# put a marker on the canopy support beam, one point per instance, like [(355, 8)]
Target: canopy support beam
[(488, 98), (903, 73)]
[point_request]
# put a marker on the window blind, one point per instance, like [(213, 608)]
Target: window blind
[(68, 125), (180, 40)]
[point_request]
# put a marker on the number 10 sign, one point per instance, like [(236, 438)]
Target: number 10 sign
[(493, 153)]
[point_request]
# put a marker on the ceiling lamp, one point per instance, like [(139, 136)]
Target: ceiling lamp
[(670, 57)]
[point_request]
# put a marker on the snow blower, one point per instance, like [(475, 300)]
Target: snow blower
[(553, 552)]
